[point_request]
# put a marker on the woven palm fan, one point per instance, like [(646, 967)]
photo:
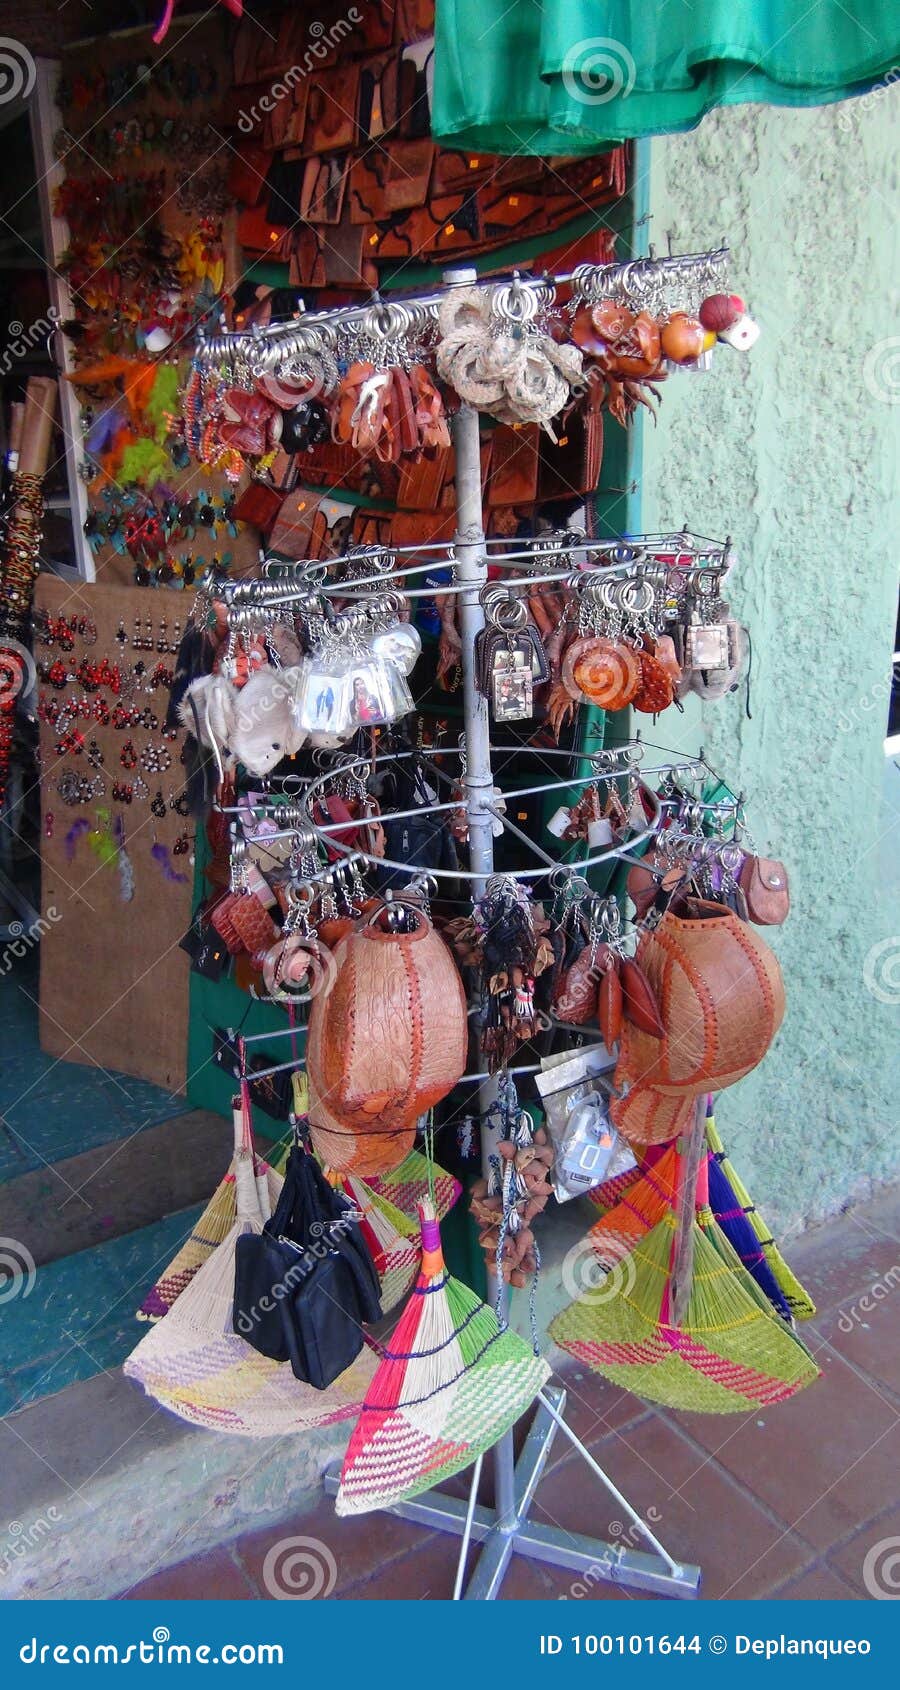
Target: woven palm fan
[(732, 1204), (729, 1354), (208, 1233), (196, 1365), (452, 1382), (391, 1228), (643, 1205)]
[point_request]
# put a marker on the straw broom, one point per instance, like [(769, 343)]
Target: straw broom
[(451, 1383)]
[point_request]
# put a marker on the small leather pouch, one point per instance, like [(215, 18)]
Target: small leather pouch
[(514, 466), (300, 529), (221, 917), (247, 171), (348, 257), (253, 923), (421, 482), (764, 883), (571, 465), (324, 183), (331, 110), (258, 504), (389, 179), (285, 122), (257, 235)]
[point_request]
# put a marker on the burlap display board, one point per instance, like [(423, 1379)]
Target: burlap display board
[(114, 984)]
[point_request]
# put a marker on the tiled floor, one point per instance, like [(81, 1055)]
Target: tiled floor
[(801, 1501)]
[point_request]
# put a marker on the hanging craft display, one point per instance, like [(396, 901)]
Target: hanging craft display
[(450, 1382)]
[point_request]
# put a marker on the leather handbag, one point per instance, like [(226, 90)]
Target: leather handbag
[(306, 1284), (422, 481), (386, 1042), (300, 529), (721, 1000), (764, 883)]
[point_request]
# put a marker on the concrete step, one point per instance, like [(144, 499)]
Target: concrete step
[(112, 1189)]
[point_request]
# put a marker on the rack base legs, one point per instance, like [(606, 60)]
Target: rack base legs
[(593, 1559)]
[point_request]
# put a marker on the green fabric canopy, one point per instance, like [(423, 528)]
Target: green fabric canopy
[(575, 76)]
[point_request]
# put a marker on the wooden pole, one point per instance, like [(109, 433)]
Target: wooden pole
[(690, 1155)]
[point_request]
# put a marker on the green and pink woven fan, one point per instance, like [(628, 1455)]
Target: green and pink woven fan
[(729, 1353), (451, 1383)]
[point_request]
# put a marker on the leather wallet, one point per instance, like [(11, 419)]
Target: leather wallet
[(389, 179), (322, 189), (331, 110), (514, 466)]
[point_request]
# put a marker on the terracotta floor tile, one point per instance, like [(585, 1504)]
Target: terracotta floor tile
[(868, 1336), (808, 1459), (357, 1545), (425, 1575), (214, 1577), (819, 1584), (699, 1514), (593, 1404), (880, 1541), (841, 1260)]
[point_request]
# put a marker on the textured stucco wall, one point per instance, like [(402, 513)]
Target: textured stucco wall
[(794, 451)]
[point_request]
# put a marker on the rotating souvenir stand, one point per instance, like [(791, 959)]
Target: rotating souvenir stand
[(505, 1529)]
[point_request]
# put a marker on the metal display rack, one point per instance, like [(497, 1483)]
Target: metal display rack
[(506, 1528)]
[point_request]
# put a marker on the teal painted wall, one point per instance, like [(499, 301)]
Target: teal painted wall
[(793, 450)]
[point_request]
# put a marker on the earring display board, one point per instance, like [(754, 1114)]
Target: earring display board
[(116, 894)]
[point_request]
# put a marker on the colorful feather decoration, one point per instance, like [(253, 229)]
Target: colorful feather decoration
[(162, 855), (450, 1384), (74, 833)]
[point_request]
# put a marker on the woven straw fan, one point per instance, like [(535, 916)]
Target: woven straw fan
[(727, 1353), (209, 1231), (450, 1384), (194, 1364)]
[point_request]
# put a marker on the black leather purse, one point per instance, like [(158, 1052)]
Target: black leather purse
[(306, 1285)]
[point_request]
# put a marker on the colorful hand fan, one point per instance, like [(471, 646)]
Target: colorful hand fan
[(451, 1383)]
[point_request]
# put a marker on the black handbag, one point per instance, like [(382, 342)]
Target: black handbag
[(305, 1285)]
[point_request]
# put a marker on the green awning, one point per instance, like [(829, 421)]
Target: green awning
[(575, 76)]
